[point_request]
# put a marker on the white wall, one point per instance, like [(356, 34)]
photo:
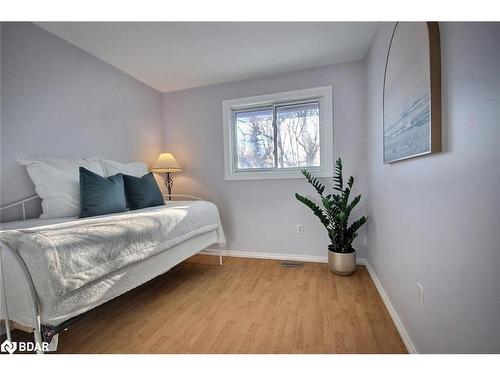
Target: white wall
[(58, 100), (261, 216), (433, 220), (436, 219)]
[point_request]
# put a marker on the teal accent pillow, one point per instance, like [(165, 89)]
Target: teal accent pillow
[(142, 191), (100, 195)]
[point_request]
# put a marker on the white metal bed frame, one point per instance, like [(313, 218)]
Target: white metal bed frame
[(34, 305)]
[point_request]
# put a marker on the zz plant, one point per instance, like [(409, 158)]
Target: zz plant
[(336, 210)]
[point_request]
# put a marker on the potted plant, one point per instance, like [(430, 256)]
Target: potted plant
[(335, 217)]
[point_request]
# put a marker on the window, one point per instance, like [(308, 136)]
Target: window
[(277, 135)]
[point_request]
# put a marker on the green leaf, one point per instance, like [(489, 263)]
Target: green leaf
[(353, 204), (351, 231), (315, 209), (345, 197), (320, 188), (350, 182), (337, 178)]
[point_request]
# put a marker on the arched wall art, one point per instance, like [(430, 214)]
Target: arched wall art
[(412, 92)]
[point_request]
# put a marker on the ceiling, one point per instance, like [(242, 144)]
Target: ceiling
[(172, 56)]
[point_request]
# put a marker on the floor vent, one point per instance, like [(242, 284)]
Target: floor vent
[(288, 264)]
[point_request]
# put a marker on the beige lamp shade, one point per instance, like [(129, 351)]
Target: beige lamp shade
[(166, 163)]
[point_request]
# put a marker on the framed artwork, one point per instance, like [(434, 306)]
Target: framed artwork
[(412, 92)]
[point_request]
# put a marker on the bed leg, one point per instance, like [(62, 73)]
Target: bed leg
[(37, 332), (7, 329), (220, 255), (4, 299), (53, 343)]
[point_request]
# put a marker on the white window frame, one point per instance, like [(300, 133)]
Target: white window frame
[(321, 94)]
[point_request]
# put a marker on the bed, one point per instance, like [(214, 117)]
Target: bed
[(55, 270)]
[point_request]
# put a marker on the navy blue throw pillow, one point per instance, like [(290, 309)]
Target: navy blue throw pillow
[(100, 195), (142, 191)]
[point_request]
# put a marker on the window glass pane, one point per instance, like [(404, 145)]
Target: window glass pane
[(298, 135), (254, 139)]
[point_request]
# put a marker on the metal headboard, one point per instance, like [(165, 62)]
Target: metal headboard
[(22, 202), (27, 281)]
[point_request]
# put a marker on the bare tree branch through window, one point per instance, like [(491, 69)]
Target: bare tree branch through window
[(297, 142)]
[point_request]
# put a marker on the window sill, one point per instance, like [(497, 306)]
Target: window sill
[(274, 175)]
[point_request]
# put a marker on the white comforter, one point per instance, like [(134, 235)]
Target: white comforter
[(64, 257)]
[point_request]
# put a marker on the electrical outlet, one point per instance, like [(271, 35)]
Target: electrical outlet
[(420, 295), (300, 229)]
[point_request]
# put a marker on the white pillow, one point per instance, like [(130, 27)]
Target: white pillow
[(136, 169), (57, 182)]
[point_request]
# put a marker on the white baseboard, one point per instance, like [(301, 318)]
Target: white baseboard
[(392, 312), (276, 256)]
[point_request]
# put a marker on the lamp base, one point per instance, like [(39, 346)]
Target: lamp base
[(169, 184)]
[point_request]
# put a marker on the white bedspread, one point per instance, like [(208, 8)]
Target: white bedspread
[(66, 256)]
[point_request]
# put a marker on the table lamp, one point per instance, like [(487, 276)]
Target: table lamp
[(166, 164)]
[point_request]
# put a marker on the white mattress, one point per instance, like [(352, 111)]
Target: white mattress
[(55, 309), (36, 223)]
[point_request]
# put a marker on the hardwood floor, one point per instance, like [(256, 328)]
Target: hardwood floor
[(246, 306)]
